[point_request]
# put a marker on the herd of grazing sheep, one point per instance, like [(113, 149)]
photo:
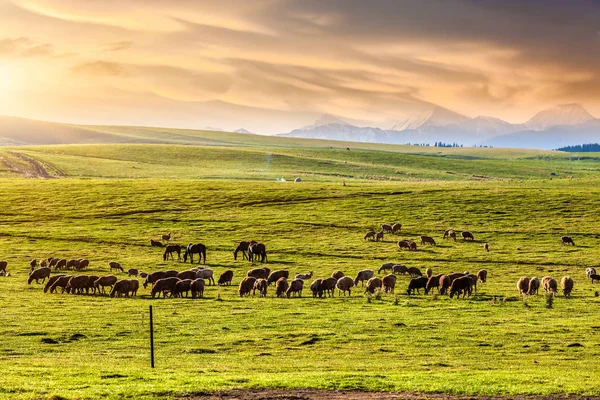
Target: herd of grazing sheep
[(192, 282)]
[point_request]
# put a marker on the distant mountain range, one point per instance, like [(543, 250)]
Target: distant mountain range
[(565, 124)]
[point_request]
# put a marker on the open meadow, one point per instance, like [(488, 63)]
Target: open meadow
[(107, 202)]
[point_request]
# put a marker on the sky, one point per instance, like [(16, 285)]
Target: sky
[(270, 66)]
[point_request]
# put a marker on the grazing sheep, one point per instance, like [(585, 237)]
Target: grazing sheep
[(132, 272), (246, 286), (155, 243), (450, 234), (474, 280), (396, 228), (189, 274), (304, 277), (567, 240), (115, 265), (166, 237), (60, 264), (77, 284), (566, 283), (404, 244), (281, 286), (295, 288), (461, 285), (378, 235), (197, 288), (523, 285), (82, 264), (399, 269), (51, 281), (386, 266), (389, 283), (416, 284), (550, 285), (61, 282), (259, 273), (32, 265), (344, 284), (43, 263), (433, 281), (363, 276), (89, 285), (275, 275), (71, 264), (412, 246), (171, 273), (153, 277), (134, 285), (225, 278), (387, 228), (143, 275), (260, 285), (52, 262), (40, 273), (103, 281), (428, 272), (369, 235), (455, 275), (444, 284), (337, 275), (590, 271), (206, 274), (328, 286), (316, 287), (414, 272), (163, 286), (486, 247), (120, 288), (534, 286), (467, 236), (482, 275), (427, 240), (373, 284), (595, 277), (181, 287)]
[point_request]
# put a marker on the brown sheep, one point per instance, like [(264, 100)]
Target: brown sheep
[(373, 284), (103, 281), (246, 286), (43, 263), (189, 274), (414, 272), (444, 284), (363, 276), (337, 275), (60, 264), (132, 272), (386, 266), (120, 288), (61, 282), (225, 278), (566, 283), (316, 287), (455, 275), (197, 288), (567, 240), (153, 277), (523, 285), (387, 228), (399, 269), (550, 285), (259, 273), (461, 285), (482, 275), (52, 261), (51, 281), (474, 280), (40, 273), (428, 272), (344, 284), (134, 285), (433, 281), (82, 264), (389, 283), (155, 243), (89, 286), (32, 265), (450, 234), (427, 240), (275, 275), (77, 284), (260, 285), (534, 286), (163, 286), (172, 273), (404, 244), (328, 286), (206, 274), (115, 265), (71, 264), (416, 284), (467, 235), (304, 277), (379, 235), (181, 287), (412, 246), (281, 286), (369, 235), (295, 288), (396, 227)]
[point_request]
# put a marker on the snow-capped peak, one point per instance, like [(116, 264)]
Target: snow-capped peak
[(435, 116), (564, 114)]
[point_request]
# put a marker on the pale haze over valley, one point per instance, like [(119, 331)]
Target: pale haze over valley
[(505, 74)]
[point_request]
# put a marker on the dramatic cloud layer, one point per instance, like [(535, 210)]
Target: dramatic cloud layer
[(273, 65)]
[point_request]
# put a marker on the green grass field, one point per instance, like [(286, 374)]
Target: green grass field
[(493, 343)]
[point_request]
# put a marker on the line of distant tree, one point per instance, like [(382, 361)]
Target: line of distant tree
[(581, 148), (442, 144)]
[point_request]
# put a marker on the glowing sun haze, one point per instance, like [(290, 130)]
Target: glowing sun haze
[(273, 65)]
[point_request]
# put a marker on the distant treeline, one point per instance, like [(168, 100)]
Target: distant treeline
[(442, 144), (589, 147)]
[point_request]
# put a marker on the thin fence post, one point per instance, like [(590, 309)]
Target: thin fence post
[(151, 339)]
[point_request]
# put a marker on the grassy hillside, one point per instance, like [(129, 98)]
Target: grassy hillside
[(493, 343)]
